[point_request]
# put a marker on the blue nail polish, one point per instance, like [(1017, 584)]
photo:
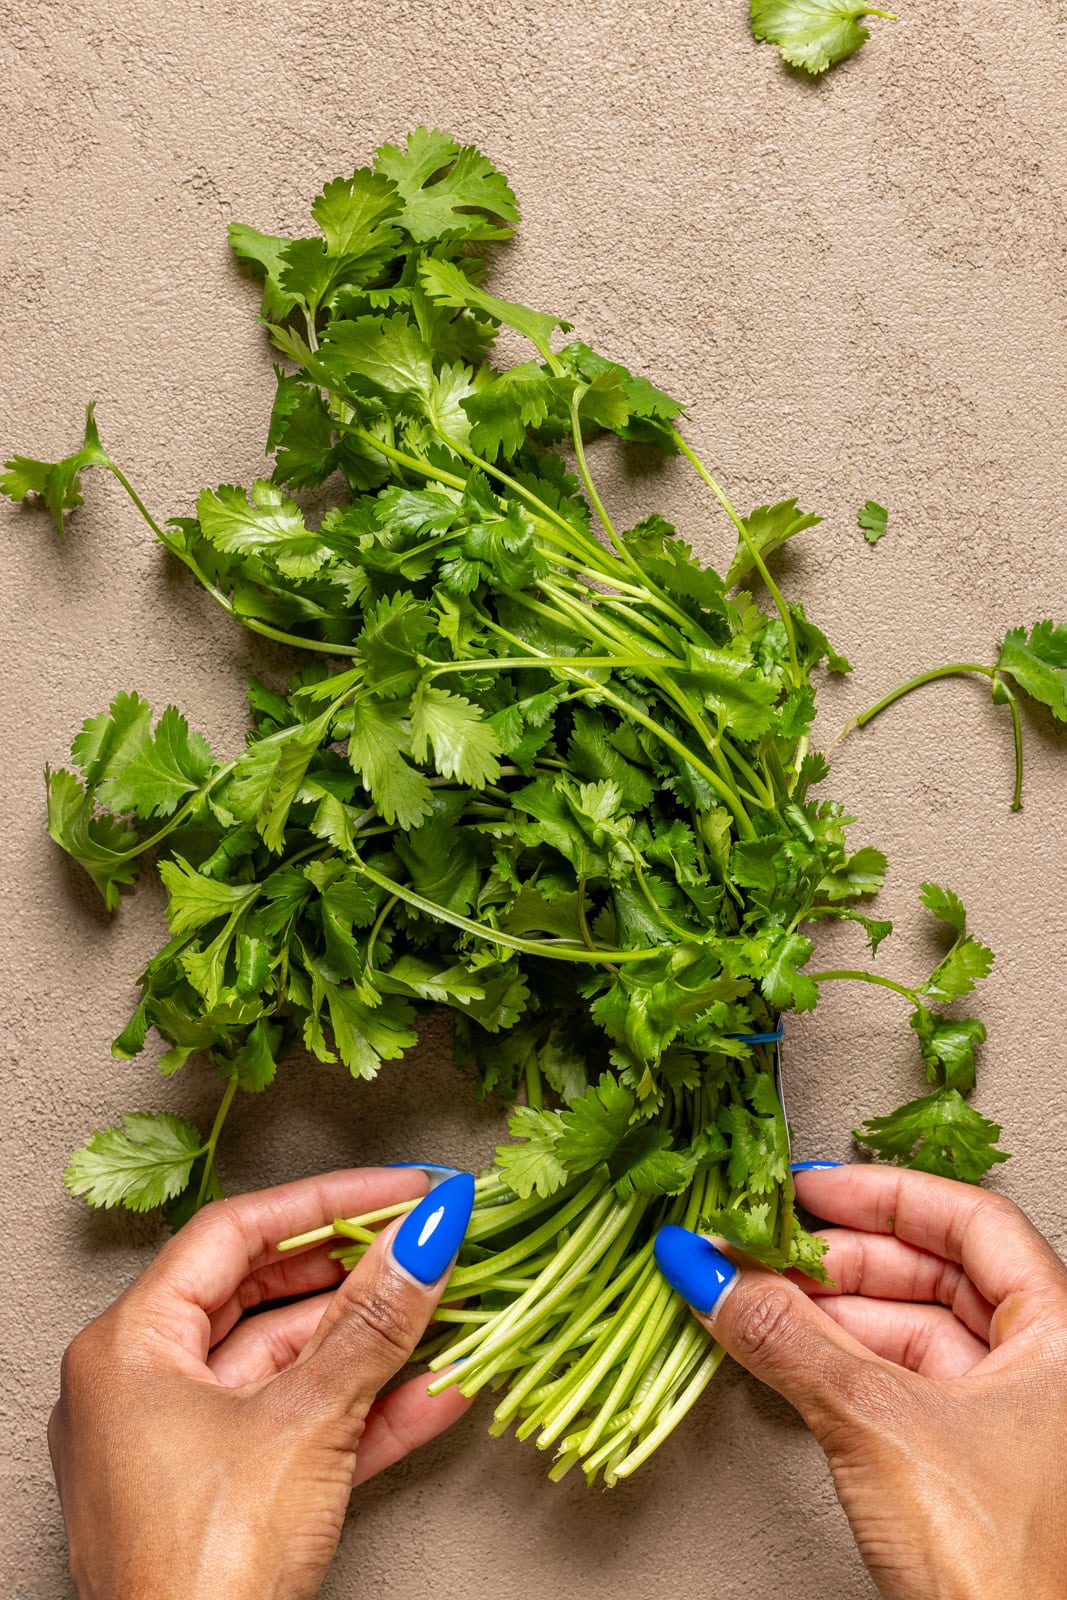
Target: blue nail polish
[(692, 1265), (814, 1166), (436, 1173), (429, 1236)]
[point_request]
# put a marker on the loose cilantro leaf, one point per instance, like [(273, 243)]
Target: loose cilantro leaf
[(940, 1133), (873, 521), (141, 1164), (813, 34)]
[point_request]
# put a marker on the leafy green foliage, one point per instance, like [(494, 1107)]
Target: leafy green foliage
[(1036, 662), (58, 483), (553, 777), (767, 528), (940, 1133), (141, 1164), (873, 521), (555, 782), (812, 34)]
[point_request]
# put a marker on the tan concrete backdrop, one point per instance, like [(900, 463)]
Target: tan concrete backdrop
[(858, 283)]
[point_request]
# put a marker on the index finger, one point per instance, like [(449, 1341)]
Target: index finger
[(998, 1247), (203, 1266)]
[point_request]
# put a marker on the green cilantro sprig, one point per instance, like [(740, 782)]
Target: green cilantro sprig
[(545, 771)]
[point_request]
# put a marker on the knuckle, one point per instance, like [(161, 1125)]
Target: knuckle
[(81, 1358), (761, 1322), (382, 1320)]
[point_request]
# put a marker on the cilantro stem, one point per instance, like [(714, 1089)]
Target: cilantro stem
[(728, 794), (584, 925), (1017, 735), (754, 554), (482, 930), (955, 669), (213, 1138), (591, 490), (534, 1088), (410, 463), (253, 624), (863, 977)]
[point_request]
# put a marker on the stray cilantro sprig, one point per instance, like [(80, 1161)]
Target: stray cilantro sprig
[(545, 771), (813, 34), (1032, 663)]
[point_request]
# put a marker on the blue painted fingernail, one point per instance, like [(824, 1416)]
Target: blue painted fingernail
[(692, 1265), (429, 1236), (814, 1166), (436, 1173)]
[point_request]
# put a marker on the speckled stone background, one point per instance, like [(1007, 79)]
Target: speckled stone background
[(859, 285)]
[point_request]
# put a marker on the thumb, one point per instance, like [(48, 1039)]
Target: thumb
[(380, 1312), (774, 1330)]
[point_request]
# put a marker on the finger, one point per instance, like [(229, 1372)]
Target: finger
[(263, 1346), (291, 1275), (925, 1339), (773, 1329), (201, 1268), (1002, 1253), (885, 1268), (379, 1314), (401, 1421)]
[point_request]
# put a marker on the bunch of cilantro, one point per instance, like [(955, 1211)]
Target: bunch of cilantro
[(548, 773)]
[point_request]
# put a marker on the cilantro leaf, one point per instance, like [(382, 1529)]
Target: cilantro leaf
[(271, 525), (141, 1164), (379, 741), (940, 1133), (948, 1047), (768, 527), (196, 901), (813, 34), (594, 1126), (448, 285), (531, 1165), (945, 905), (103, 845), (873, 521), (57, 482), (783, 984), (447, 191), (356, 213), (149, 773), (264, 255), (966, 964), (366, 1035), (1037, 664), (503, 409), (464, 745)]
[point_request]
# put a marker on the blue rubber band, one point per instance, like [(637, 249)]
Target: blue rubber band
[(760, 1038)]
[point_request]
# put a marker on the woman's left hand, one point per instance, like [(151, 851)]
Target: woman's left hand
[(198, 1455)]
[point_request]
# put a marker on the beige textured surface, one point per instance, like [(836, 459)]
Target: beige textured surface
[(859, 285)]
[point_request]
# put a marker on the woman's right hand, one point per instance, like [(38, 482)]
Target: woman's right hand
[(934, 1375)]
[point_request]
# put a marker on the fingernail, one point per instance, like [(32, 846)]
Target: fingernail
[(692, 1265), (433, 1169), (429, 1236), (814, 1166)]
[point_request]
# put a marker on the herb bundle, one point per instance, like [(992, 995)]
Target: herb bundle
[(548, 773)]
